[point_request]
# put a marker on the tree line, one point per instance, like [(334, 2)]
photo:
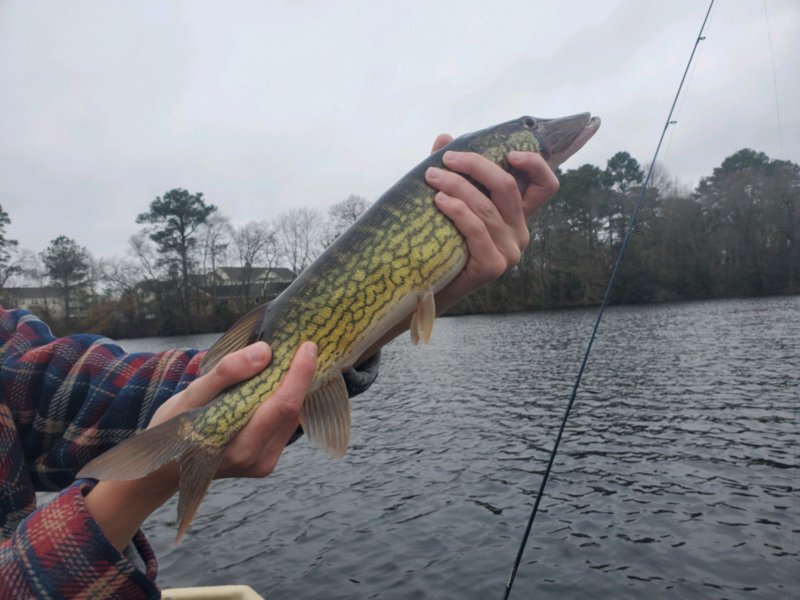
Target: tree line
[(735, 234), (165, 283)]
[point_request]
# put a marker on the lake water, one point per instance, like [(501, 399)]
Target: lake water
[(677, 476)]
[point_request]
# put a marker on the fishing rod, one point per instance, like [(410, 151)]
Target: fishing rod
[(554, 451)]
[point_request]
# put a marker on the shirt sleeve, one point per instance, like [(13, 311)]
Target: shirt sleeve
[(59, 552), (65, 401), (62, 403)]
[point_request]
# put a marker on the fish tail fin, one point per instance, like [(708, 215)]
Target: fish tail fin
[(151, 449), (140, 455), (198, 467)]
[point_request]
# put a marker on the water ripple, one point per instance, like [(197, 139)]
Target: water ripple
[(677, 476)]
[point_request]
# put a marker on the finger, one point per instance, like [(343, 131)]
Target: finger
[(508, 237), (542, 182), (481, 246), (257, 462), (506, 199), (234, 368), (455, 185), (441, 141), (267, 460), (280, 409)]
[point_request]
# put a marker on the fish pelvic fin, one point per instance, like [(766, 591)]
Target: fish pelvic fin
[(153, 448), (325, 417), (422, 319)]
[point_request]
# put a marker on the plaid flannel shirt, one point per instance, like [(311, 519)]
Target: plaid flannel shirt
[(62, 403)]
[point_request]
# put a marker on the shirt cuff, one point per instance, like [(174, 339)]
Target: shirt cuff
[(61, 549), (359, 380)]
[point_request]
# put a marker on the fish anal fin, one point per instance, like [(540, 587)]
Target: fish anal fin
[(243, 333), (325, 417), (422, 319)]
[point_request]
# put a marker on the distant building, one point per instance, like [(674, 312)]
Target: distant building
[(146, 295), (228, 276), (237, 287), (49, 301), (225, 287)]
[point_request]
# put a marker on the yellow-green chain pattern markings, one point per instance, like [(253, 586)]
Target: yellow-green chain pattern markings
[(344, 302), (405, 245)]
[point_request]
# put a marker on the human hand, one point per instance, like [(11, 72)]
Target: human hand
[(495, 227), (254, 451), (120, 507)]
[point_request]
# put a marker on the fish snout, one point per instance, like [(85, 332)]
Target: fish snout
[(561, 138)]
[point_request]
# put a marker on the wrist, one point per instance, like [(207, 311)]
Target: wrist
[(120, 507)]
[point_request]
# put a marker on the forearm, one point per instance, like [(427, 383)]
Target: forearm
[(121, 507)]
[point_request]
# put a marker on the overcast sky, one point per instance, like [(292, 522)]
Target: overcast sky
[(267, 106)]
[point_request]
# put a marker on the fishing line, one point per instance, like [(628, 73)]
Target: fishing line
[(774, 79), (553, 453), (780, 141)]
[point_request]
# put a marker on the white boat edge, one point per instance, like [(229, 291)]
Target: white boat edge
[(219, 592)]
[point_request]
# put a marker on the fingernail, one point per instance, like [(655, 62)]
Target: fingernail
[(451, 156), (433, 173), (257, 352), (311, 348), (441, 198)]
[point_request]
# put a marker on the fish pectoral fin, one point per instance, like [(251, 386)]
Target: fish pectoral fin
[(243, 333), (422, 319), (325, 417), (150, 449)]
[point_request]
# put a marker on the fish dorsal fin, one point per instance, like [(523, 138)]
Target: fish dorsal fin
[(422, 319), (325, 417), (243, 333)]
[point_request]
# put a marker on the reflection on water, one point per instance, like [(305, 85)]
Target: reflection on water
[(677, 476)]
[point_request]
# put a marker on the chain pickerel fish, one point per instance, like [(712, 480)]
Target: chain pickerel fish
[(387, 265)]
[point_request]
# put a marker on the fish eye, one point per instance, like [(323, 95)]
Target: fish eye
[(528, 122)]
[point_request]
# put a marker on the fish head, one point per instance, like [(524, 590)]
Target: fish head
[(555, 139), (561, 138)]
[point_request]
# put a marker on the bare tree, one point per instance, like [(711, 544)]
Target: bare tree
[(154, 275), (32, 274), (299, 233), (254, 243), (144, 252), (215, 236), (119, 274), (342, 215), (9, 259), (665, 182), (120, 277)]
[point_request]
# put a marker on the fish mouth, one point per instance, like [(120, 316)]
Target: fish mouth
[(561, 138)]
